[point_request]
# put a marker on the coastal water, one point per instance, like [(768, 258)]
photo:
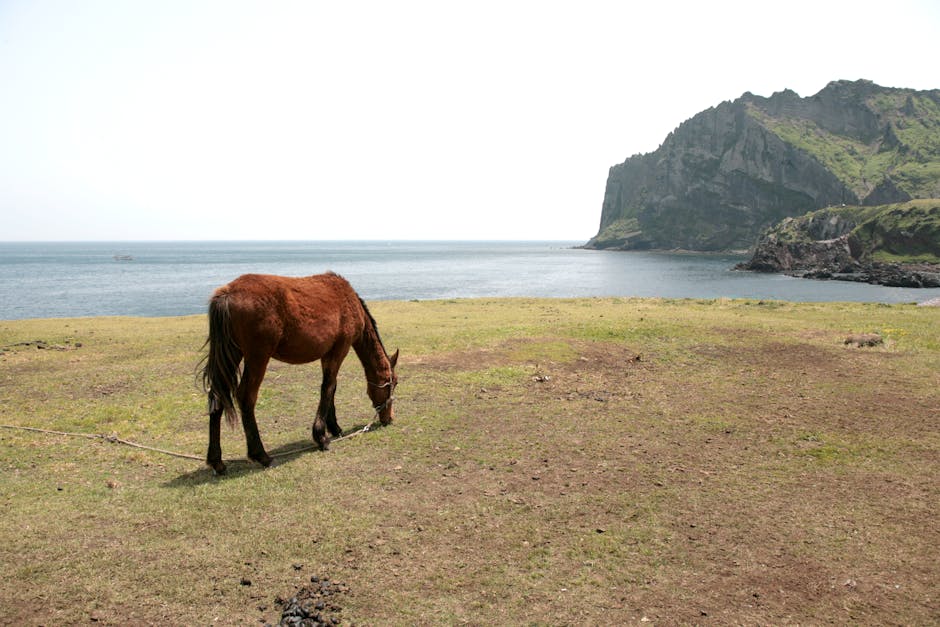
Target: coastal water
[(44, 280)]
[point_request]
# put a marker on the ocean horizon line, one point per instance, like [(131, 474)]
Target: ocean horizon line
[(289, 240)]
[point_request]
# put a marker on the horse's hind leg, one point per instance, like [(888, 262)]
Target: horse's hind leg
[(214, 456), (247, 397)]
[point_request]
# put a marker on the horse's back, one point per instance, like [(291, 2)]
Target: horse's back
[(267, 288), (296, 319)]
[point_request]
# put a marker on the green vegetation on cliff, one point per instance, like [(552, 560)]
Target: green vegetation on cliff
[(906, 153), (907, 232)]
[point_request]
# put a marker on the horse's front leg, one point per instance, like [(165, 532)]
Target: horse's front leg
[(326, 411), (331, 424), (214, 456), (247, 398)]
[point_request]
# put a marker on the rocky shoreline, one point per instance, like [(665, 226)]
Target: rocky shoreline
[(833, 260), (887, 274)]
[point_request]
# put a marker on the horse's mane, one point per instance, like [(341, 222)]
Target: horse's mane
[(375, 327)]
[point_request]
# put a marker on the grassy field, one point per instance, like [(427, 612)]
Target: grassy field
[(602, 461)]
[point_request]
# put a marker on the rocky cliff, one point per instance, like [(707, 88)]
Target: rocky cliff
[(733, 170), (896, 245)]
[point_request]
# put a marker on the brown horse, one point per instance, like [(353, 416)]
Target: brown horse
[(294, 320)]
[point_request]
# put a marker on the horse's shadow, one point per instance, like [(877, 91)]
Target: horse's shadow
[(281, 455), (235, 468)]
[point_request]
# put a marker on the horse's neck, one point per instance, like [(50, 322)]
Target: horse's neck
[(371, 353)]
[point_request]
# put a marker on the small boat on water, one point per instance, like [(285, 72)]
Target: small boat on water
[(124, 258)]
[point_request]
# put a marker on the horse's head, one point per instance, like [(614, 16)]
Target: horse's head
[(382, 393)]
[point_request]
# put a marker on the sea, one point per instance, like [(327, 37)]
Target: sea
[(77, 279)]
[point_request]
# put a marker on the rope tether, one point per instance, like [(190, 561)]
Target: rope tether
[(116, 440)]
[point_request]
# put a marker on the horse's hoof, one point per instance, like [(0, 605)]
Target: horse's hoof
[(218, 467), (262, 459), (324, 444)]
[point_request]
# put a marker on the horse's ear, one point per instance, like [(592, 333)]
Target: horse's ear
[(393, 359)]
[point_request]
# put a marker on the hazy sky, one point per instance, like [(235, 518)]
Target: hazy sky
[(392, 119)]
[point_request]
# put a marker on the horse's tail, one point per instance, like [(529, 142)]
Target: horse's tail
[(220, 373)]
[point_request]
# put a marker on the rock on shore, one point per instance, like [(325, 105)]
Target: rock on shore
[(844, 244)]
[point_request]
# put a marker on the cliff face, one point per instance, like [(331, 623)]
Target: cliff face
[(733, 170)]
